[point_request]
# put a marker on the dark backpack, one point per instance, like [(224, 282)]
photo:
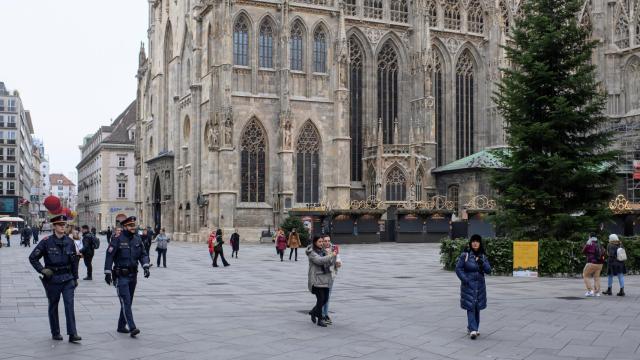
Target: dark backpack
[(599, 254), (96, 242)]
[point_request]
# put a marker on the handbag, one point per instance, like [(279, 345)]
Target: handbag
[(621, 254)]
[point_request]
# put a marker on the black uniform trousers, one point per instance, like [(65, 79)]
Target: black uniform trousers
[(126, 286), (54, 291)]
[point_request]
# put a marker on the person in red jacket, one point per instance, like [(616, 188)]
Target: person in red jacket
[(281, 243), (215, 248)]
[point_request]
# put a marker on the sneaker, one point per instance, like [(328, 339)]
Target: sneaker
[(473, 335), (588, 293), (597, 294)]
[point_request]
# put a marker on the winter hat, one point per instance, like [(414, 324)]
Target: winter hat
[(592, 238), (478, 238), (613, 238)]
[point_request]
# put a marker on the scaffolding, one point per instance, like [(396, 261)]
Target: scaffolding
[(626, 130)]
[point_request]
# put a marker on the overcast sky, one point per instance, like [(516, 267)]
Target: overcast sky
[(74, 64)]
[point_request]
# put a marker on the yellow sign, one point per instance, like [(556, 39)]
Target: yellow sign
[(525, 258)]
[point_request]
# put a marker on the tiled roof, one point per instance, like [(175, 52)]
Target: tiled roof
[(485, 159), (53, 180), (119, 127)]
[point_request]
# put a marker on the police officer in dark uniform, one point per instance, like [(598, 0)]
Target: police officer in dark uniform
[(59, 276), (121, 266)]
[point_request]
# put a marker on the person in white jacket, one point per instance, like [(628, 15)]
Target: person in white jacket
[(334, 272)]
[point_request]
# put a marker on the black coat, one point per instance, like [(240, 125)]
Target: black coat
[(614, 266)]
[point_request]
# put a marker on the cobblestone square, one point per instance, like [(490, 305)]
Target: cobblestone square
[(390, 301)]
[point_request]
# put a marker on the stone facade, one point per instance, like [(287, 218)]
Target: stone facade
[(106, 183), (247, 109)]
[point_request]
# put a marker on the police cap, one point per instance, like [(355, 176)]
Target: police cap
[(129, 220), (58, 219)]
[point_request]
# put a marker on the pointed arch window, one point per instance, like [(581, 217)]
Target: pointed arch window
[(319, 51), (350, 7), (432, 11), (372, 188), (453, 195), (388, 90), (253, 149), (296, 45), (241, 42), (505, 16), (452, 19), (187, 76), (399, 11), (621, 30), (396, 185), (475, 18), (637, 21), (438, 95), (419, 185), (163, 143), (209, 60), (308, 165), (356, 81), (465, 105), (585, 20), (373, 9), (266, 45), (632, 87)]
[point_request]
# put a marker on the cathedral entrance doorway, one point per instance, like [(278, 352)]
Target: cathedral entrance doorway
[(157, 206)]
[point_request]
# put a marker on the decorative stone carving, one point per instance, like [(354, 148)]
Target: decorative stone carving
[(228, 133), (453, 45), (374, 35), (286, 142)]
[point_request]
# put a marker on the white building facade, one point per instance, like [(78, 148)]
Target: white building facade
[(106, 184)]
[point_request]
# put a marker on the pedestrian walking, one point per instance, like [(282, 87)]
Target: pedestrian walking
[(25, 236), (109, 233), (116, 233), (235, 243), (121, 268), (472, 265), (329, 247), (319, 279), (281, 243), (215, 248), (90, 243), (7, 233), (59, 276), (146, 239), (591, 273), (35, 231), (293, 243), (615, 264), (161, 247)]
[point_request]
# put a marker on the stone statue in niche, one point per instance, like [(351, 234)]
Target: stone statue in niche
[(210, 135), (228, 133), (287, 136)]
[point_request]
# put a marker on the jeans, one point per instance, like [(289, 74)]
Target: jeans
[(291, 253), (325, 308), (620, 280), (162, 253), (322, 295), (473, 319)]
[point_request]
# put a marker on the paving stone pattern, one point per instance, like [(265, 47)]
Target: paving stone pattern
[(390, 301)]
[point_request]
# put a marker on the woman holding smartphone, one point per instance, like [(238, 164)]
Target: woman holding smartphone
[(319, 280)]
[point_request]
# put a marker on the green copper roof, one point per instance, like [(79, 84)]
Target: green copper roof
[(485, 159)]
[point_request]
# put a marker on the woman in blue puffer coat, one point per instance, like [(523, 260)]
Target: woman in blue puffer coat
[(472, 265)]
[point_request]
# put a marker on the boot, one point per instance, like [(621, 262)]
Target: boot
[(74, 338), (608, 292), (321, 323), (57, 337), (134, 332), (621, 292)]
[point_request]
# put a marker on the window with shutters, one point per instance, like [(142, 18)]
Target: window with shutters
[(308, 165), (356, 81), (253, 149), (465, 106), (241, 42), (387, 90)]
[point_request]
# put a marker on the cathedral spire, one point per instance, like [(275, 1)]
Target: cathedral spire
[(142, 56)]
